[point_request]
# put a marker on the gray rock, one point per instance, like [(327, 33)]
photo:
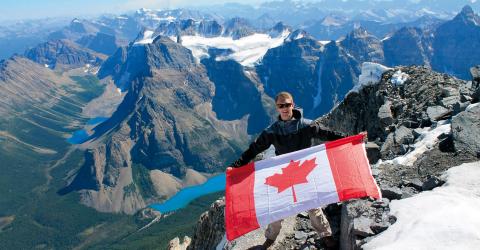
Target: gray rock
[(387, 145), (431, 183), (448, 102), (446, 144), (361, 226), (475, 72), (375, 171), (378, 227), (303, 215), (465, 98), (449, 91), (383, 203), (415, 183), (299, 235), (391, 193), (385, 114), (410, 124), (466, 130), (459, 107), (417, 132), (476, 95), (403, 135), (210, 227), (436, 112)]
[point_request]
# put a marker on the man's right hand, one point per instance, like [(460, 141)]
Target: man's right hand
[(229, 168)]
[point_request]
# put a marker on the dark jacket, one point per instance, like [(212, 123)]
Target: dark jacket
[(286, 136)]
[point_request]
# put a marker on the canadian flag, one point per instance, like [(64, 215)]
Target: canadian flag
[(269, 190)]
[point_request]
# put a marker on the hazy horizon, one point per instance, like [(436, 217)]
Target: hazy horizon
[(15, 10)]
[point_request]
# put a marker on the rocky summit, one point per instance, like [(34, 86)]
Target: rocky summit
[(418, 127)]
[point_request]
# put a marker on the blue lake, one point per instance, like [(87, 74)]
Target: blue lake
[(179, 200), (81, 136), (78, 137), (186, 195), (96, 120)]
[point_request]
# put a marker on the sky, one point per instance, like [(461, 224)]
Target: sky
[(24, 9)]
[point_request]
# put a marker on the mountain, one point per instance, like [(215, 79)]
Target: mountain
[(39, 109), (164, 131), (17, 36), (292, 67), (419, 52), (63, 54), (454, 44), (333, 31), (100, 42)]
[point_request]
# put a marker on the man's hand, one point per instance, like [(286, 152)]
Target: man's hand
[(229, 168), (365, 136)]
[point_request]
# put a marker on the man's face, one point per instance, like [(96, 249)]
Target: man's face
[(285, 108)]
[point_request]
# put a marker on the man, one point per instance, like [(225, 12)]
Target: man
[(291, 132)]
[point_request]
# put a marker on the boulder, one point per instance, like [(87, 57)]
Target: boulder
[(403, 135), (361, 219), (385, 114), (431, 183), (391, 193), (449, 101), (466, 130), (459, 107), (435, 113), (475, 72)]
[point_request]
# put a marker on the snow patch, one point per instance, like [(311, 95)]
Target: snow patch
[(246, 50), (426, 141), (371, 74), (147, 38), (444, 218), (47, 66), (385, 38), (399, 78), (324, 42)]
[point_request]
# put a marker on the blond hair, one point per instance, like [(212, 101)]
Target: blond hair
[(283, 95)]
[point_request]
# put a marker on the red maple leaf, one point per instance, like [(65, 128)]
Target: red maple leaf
[(292, 174)]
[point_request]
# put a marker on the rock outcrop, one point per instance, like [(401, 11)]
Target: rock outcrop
[(416, 148)]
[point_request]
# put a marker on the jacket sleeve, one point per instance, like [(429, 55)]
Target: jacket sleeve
[(262, 143), (319, 131)]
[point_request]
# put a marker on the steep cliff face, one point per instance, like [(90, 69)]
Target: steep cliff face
[(238, 93), (419, 50), (292, 67), (417, 125), (337, 73), (363, 46), (164, 127), (455, 44), (100, 42)]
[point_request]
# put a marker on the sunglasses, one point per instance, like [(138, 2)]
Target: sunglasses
[(283, 105)]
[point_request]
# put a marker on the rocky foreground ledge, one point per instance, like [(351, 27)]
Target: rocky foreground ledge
[(420, 123)]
